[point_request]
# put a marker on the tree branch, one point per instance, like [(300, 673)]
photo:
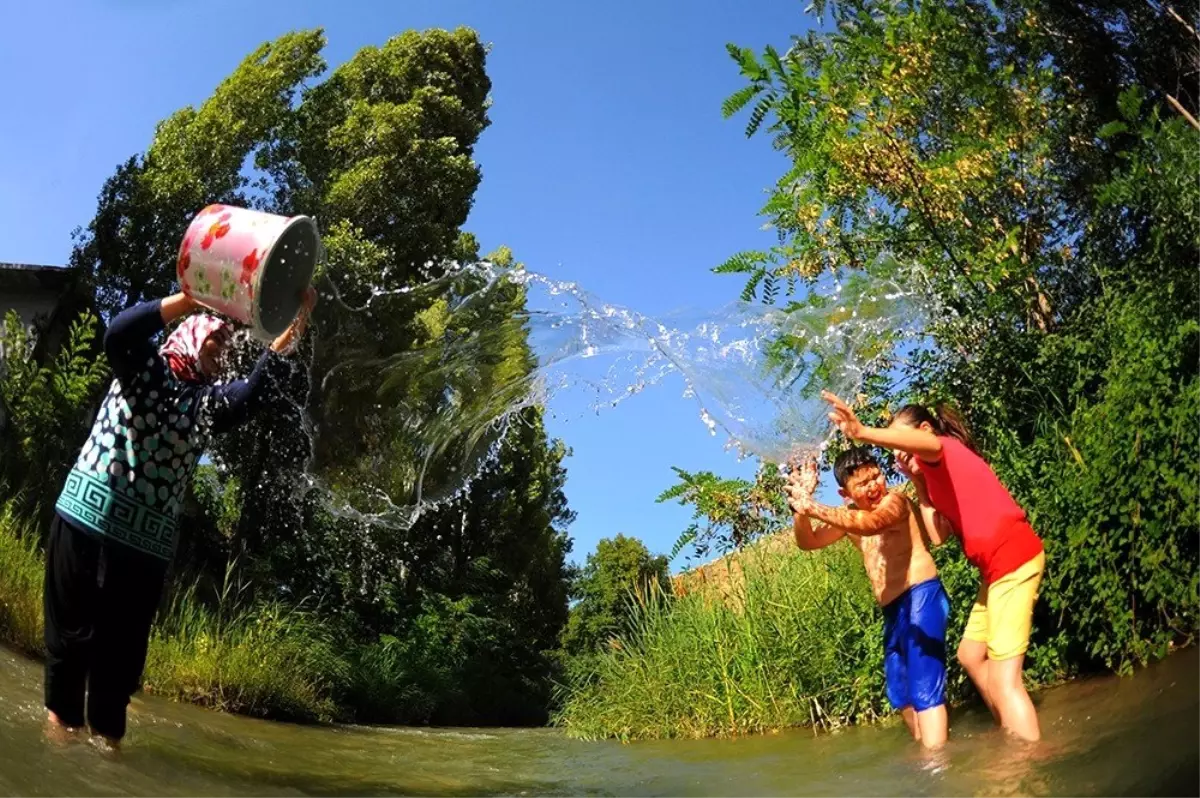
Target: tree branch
[(1183, 112)]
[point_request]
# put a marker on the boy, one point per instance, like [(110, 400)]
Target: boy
[(882, 525)]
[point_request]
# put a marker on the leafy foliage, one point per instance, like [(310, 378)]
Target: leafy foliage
[(729, 513), (619, 567), (45, 408)]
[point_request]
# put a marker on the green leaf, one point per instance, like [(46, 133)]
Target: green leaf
[(749, 63), (774, 62), (759, 114), (742, 262), (684, 539), (752, 286), (739, 99), (1130, 103)]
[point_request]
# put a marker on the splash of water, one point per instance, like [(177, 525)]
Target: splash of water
[(492, 341)]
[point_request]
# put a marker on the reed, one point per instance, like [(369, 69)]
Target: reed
[(267, 660), (22, 572), (788, 639)]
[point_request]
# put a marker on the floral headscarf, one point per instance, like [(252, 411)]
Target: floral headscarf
[(182, 347)]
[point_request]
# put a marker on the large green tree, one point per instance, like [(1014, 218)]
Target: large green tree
[(390, 393), (197, 157), (604, 590)]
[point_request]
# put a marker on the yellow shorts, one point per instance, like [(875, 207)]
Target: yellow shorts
[(1003, 613)]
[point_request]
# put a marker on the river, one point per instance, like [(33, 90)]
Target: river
[(1102, 736)]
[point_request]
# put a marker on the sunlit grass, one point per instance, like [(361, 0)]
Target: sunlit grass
[(22, 571), (268, 660), (796, 641)]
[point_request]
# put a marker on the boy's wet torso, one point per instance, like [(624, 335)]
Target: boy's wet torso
[(896, 559)]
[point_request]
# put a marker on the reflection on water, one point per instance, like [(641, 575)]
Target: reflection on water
[(1137, 736)]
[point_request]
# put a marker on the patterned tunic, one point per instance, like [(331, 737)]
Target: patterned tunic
[(130, 478)]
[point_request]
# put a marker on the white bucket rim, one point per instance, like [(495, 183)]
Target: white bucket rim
[(292, 221)]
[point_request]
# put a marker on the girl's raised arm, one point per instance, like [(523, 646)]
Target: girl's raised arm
[(923, 444)]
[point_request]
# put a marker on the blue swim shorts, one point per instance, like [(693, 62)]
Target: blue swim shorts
[(914, 646)]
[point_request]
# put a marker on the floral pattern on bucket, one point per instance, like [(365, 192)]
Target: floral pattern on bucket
[(250, 265), (218, 229), (223, 258)]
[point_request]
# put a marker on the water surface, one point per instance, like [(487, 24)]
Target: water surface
[(1104, 736)]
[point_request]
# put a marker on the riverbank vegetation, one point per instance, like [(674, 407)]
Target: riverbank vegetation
[(799, 644), (267, 660), (1036, 164), (765, 638), (23, 567)]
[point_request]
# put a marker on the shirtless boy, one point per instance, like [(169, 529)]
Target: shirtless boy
[(883, 527)]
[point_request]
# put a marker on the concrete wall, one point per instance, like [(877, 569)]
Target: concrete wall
[(28, 305), (32, 291)]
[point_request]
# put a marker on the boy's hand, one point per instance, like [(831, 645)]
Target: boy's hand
[(800, 503), (800, 487), (805, 477), (843, 417)]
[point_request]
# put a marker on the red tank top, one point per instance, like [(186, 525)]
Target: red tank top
[(995, 534)]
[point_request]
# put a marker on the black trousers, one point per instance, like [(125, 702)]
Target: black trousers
[(100, 599)]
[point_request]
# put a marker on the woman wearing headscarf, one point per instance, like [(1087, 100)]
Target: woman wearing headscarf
[(114, 528)]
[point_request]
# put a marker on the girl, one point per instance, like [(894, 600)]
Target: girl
[(114, 527), (956, 487)]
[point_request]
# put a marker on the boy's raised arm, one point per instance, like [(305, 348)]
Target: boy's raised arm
[(809, 538), (892, 509), (800, 487)]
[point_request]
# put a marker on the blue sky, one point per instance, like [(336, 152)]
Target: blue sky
[(607, 163)]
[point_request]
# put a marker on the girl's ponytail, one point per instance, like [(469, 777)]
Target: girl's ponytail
[(944, 420), (955, 426)]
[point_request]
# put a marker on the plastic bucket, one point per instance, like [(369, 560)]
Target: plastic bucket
[(249, 266)]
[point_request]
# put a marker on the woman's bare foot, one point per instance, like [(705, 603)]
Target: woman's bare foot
[(105, 745), (58, 732)]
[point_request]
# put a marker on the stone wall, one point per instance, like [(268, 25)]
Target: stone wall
[(722, 578)]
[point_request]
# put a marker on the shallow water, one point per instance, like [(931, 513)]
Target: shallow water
[(1106, 736)]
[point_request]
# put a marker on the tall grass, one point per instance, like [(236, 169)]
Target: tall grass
[(268, 660), (22, 572), (397, 681), (262, 659), (801, 643)]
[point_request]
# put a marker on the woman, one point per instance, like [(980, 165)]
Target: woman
[(114, 528), (955, 486)]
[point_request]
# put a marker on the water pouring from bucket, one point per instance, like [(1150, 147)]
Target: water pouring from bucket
[(251, 266), (754, 370)]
